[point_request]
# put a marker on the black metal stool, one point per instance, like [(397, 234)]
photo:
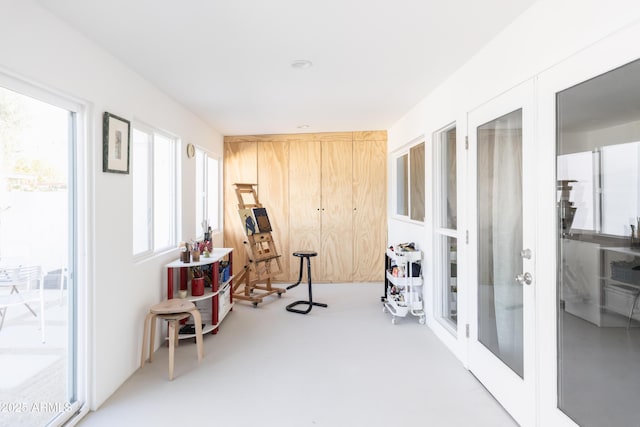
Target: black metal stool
[(302, 255)]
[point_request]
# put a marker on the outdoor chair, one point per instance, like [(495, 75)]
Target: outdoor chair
[(24, 285)]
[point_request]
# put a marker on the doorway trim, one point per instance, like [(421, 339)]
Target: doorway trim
[(498, 378), (81, 210)]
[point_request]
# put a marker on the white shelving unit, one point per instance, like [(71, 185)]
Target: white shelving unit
[(224, 307), (403, 291), (217, 301)]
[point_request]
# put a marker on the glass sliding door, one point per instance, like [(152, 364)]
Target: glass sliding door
[(38, 305), (598, 217)]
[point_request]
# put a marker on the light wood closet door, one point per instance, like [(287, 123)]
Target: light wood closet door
[(336, 253), (273, 193), (240, 166), (369, 209), (304, 203)]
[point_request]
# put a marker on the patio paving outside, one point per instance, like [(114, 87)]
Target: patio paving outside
[(33, 374)]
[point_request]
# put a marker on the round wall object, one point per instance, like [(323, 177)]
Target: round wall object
[(191, 150)]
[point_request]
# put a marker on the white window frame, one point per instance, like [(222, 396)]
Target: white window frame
[(440, 230), (172, 191), (205, 157), (396, 197), (81, 212), (406, 150)]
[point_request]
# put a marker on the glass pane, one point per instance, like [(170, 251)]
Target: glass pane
[(619, 175), (402, 182), (450, 190), (500, 308), (36, 252), (581, 168), (416, 183), (200, 193), (163, 192), (598, 148), (213, 191), (450, 282), (141, 188)]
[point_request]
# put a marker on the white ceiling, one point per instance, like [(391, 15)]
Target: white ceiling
[(229, 61)]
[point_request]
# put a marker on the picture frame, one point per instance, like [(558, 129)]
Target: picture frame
[(116, 138)]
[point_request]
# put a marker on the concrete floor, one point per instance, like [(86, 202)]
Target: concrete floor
[(345, 365)]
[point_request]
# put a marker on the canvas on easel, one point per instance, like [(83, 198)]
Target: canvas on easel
[(262, 219), (248, 221), (263, 260)]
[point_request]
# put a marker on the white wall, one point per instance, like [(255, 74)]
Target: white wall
[(549, 32), (37, 47)]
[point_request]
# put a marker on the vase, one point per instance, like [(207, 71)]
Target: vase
[(197, 286)]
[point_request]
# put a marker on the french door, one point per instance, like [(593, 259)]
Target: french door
[(588, 316), (502, 249)]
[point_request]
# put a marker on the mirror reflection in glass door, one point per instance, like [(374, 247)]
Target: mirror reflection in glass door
[(598, 159)]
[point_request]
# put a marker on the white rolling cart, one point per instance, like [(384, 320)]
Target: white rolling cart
[(403, 284)]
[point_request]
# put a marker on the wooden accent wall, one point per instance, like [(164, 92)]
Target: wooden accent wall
[(336, 251), (323, 191), (240, 165), (369, 205), (304, 200), (273, 193)]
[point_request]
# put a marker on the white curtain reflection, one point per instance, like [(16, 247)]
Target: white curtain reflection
[(500, 238)]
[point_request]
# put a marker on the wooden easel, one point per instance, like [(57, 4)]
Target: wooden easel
[(263, 260)]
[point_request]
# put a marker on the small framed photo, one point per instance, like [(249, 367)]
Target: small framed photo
[(116, 134)]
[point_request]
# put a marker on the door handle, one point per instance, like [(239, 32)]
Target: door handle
[(524, 279)]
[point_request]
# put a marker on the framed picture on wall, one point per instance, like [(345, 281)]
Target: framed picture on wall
[(116, 135)]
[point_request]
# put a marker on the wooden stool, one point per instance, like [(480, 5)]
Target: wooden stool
[(173, 311), (304, 255)]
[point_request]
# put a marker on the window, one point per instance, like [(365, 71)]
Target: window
[(410, 182), (141, 197), (402, 180), (416, 182), (207, 192), (446, 226), (154, 190)]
